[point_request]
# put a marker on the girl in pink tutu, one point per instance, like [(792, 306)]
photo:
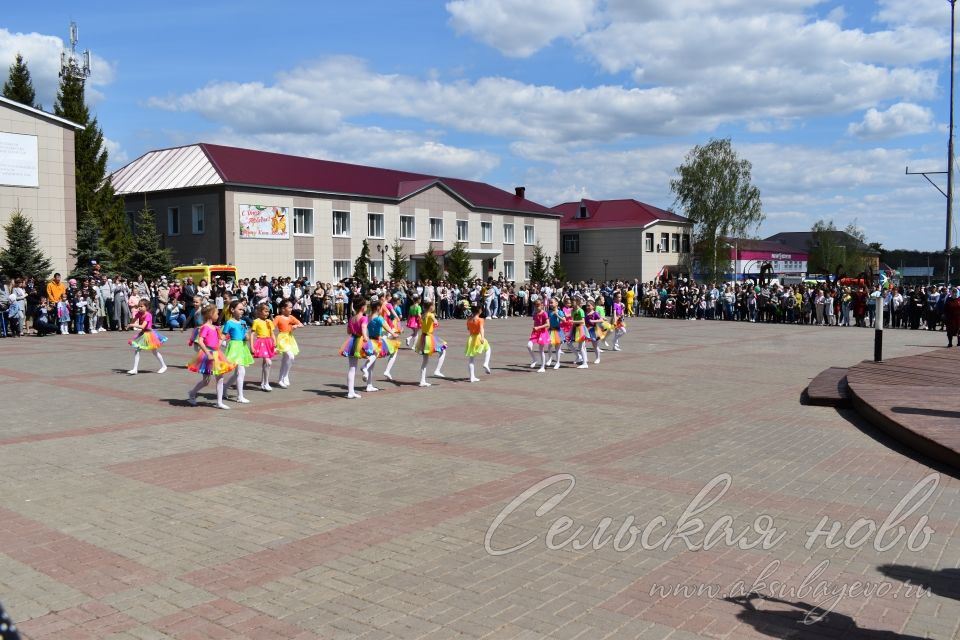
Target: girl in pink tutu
[(262, 343), (357, 346), (210, 361), (147, 340), (414, 321), (540, 336)]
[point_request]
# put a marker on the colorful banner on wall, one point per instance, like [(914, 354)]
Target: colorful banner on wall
[(264, 222)]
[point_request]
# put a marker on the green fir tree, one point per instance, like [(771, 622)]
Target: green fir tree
[(19, 86), (398, 261), (457, 263), (431, 266), (361, 266), (21, 256), (148, 257), (557, 272), (91, 250), (538, 266)]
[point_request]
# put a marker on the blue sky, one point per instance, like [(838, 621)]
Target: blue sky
[(829, 100)]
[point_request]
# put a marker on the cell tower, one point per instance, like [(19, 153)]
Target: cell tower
[(76, 64)]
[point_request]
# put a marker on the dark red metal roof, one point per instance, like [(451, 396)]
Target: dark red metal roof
[(276, 170), (613, 214)]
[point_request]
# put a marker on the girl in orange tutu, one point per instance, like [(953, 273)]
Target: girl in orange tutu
[(209, 361), (429, 344), (147, 340), (262, 344), (286, 343)]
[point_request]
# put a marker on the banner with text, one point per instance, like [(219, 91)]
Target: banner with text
[(264, 222)]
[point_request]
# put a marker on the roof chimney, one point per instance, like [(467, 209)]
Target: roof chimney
[(520, 191)]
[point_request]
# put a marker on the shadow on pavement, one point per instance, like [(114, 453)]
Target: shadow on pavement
[(943, 582)]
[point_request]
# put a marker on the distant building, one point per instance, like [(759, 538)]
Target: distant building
[(622, 239), (747, 257), (38, 177), (807, 241), (292, 216)]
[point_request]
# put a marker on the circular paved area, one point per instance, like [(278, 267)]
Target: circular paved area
[(127, 514)]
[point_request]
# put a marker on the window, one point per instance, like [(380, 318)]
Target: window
[(376, 269), (408, 228), (648, 242), (508, 233), (463, 231), (528, 237), (303, 222), (341, 224), (571, 243), (303, 269), (664, 242), (173, 221), (436, 229), (508, 270), (197, 218), (582, 211), (675, 243), (342, 269), (375, 225), (486, 232), (527, 268), (686, 243), (132, 221)]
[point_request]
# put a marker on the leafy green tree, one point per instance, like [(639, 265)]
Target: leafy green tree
[(147, 255), (22, 255), (398, 261), (557, 272), (90, 248), (713, 188), (457, 263), (538, 265), (857, 259), (431, 266), (19, 85), (825, 252), (361, 266)]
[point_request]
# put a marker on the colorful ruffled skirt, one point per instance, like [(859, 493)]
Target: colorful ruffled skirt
[(215, 364), (476, 345), (239, 353), (430, 344), (579, 334), (286, 343), (355, 347), (378, 347), (620, 326), (264, 348), (147, 341), (541, 336), (413, 322), (557, 337), (392, 344)]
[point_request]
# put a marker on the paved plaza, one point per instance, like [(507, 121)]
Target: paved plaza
[(125, 513)]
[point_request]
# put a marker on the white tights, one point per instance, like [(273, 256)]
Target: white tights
[(265, 371), (426, 360), (286, 363), (471, 367), (136, 358), (351, 377), (237, 378), (533, 359), (204, 382)]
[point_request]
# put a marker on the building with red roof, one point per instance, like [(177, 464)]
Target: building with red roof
[(304, 217), (622, 239)]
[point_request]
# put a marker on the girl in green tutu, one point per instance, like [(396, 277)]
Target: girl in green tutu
[(238, 349)]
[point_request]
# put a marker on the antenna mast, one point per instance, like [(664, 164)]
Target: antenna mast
[(73, 63)]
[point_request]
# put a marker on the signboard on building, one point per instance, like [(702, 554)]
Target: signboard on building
[(19, 160), (269, 223)]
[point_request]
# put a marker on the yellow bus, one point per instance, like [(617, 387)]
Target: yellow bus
[(209, 272)]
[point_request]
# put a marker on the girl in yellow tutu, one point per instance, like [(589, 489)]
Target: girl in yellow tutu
[(286, 343), (209, 360), (477, 343), (429, 344)]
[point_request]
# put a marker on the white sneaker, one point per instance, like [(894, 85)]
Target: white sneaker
[(371, 388), (533, 365), (549, 362), (425, 384), (81, 333), (486, 368), (353, 396), (102, 329), (282, 384), (266, 387), (364, 374), (597, 361), (242, 400), (438, 374), (388, 376), (541, 370), (474, 379), (557, 366), (617, 349), (132, 372), (222, 406), (192, 399), (583, 366), (162, 369)]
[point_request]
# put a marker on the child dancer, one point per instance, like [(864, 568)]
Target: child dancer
[(477, 343), (147, 340), (578, 335), (429, 344), (594, 331), (377, 333), (566, 324), (209, 361), (539, 336), (238, 349), (63, 314), (394, 330), (354, 349), (619, 328), (414, 321), (556, 336), (286, 343), (262, 343)]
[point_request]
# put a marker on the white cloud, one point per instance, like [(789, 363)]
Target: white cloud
[(42, 54), (903, 118), (520, 28), (116, 155)]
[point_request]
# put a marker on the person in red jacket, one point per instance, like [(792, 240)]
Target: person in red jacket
[(951, 316)]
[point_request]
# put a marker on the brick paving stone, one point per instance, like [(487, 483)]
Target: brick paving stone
[(303, 515)]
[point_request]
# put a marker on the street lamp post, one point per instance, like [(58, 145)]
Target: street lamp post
[(382, 250), (605, 263)]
